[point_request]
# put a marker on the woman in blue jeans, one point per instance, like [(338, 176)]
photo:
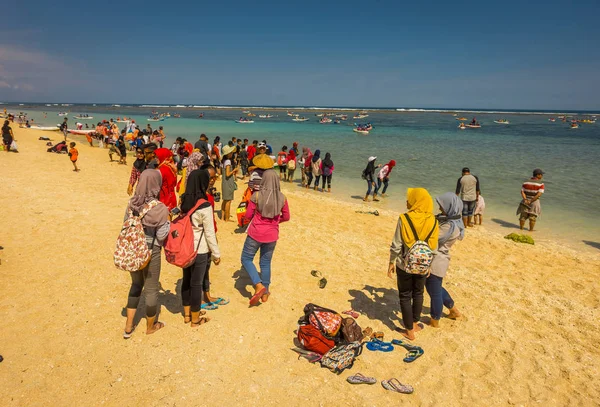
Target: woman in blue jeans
[(267, 208), (451, 230)]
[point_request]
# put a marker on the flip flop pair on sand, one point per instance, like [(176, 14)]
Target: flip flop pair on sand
[(322, 281), (392, 384), (414, 352)]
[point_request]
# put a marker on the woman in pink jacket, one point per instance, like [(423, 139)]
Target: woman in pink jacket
[(267, 208)]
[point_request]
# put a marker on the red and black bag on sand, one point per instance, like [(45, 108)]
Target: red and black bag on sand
[(327, 321), (312, 339)]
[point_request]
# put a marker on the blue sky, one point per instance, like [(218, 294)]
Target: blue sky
[(538, 55)]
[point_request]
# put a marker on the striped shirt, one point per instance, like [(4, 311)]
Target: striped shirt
[(532, 187)]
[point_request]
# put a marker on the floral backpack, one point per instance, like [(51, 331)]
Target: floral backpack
[(341, 357), (418, 257), (131, 251), (325, 320)]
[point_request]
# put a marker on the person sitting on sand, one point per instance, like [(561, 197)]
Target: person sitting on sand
[(205, 240), (139, 165), (531, 192), (411, 286), (383, 177), (267, 208), (156, 228), (451, 229), (369, 175), (327, 168)]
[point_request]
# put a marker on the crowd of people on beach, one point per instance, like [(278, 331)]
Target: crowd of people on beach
[(169, 184)]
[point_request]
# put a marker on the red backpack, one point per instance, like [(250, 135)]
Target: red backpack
[(179, 245), (312, 340)]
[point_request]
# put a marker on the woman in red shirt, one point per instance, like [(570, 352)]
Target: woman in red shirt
[(168, 170)]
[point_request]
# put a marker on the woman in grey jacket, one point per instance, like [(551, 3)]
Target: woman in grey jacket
[(156, 227), (452, 229)]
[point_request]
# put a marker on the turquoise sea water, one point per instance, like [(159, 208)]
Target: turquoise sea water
[(429, 150)]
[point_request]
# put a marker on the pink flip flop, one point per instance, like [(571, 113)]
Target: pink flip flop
[(256, 297)]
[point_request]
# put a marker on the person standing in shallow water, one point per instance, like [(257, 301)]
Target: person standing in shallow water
[(327, 168), (369, 175), (411, 286), (531, 192), (468, 189), (451, 229), (383, 177)]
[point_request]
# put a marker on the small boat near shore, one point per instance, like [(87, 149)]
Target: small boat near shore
[(63, 114), (462, 126), (325, 120), (300, 119), (501, 121), (574, 126), (81, 132), (552, 119), (361, 131), (461, 119), (360, 116), (265, 116), (244, 121), (84, 117), (44, 128), (474, 126), (156, 119)]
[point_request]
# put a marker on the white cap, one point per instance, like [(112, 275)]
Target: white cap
[(372, 158)]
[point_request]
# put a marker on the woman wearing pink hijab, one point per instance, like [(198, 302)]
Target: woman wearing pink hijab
[(384, 176)]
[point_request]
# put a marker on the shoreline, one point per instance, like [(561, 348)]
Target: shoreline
[(528, 324)]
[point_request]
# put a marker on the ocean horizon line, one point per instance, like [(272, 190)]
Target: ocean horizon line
[(309, 108)]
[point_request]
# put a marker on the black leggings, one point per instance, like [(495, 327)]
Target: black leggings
[(410, 290), (193, 279), (328, 179)]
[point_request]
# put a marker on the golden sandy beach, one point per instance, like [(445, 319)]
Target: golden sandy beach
[(529, 335)]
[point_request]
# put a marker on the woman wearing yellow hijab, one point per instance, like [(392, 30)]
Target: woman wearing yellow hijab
[(411, 286)]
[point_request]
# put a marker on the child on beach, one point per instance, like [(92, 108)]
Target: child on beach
[(479, 208), (73, 154)]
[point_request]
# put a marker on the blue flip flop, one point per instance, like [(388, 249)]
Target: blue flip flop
[(377, 345), (209, 306), (413, 355), (221, 301)]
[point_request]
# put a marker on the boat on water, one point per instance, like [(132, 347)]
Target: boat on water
[(81, 132), (552, 119), (325, 120), (360, 116), (177, 116), (244, 121), (250, 114), (156, 119), (462, 126), (319, 114), (300, 119), (574, 126), (84, 117), (474, 126), (502, 121), (63, 114), (361, 131), (588, 121), (246, 111), (290, 113), (45, 128), (461, 119), (265, 116)]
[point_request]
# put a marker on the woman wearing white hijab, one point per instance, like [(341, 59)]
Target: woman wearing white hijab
[(267, 208)]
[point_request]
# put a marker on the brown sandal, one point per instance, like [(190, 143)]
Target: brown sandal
[(201, 321), (157, 326)]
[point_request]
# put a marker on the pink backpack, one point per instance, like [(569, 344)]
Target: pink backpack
[(179, 245), (131, 251)]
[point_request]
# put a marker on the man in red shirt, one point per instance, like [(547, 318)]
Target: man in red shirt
[(252, 150)]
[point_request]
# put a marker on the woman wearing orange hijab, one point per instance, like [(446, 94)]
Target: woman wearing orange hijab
[(411, 286), (168, 170)]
